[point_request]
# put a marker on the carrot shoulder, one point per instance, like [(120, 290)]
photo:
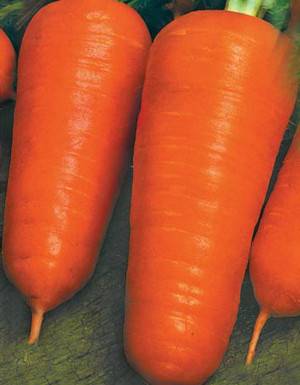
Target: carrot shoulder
[(216, 101), (81, 71)]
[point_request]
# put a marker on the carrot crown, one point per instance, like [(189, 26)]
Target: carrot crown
[(276, 10), (248, 7)]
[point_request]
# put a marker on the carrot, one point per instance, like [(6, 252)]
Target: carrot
[(274, 263), (81, 70), (7, 68), (217, 98)]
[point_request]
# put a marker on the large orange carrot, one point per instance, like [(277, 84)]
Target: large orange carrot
[(7, 67), (216, 101), (81, 69)]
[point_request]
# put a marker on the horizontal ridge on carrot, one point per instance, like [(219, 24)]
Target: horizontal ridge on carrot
[(217, 98), (81, 70)]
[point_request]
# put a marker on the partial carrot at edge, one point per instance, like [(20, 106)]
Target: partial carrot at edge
[(261, 320)]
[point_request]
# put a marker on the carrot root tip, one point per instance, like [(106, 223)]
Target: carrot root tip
[(259, 324), (36, 325)]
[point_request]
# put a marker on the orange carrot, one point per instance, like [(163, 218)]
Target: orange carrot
[(216, 101), (80, 75), (274, 263), (7, 67)]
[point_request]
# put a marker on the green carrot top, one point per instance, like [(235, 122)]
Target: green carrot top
[(277, 11)]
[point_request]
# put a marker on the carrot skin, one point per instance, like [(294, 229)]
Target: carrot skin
[(7, 68), (216, 101), (81, 70), (274, 263)]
